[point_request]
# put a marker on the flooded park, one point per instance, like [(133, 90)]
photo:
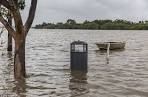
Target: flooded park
[(48, 65)]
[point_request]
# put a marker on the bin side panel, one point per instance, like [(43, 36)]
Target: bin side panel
[(79, 61)]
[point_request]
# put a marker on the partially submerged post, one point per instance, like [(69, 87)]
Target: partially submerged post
[(79, 56)]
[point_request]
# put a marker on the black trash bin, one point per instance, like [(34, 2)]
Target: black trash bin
[(79, 56)]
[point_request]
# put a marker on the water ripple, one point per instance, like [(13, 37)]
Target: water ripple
[(48, 63)]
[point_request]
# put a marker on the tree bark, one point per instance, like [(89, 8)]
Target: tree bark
[(6, 4), (19, 58), (31, 15)]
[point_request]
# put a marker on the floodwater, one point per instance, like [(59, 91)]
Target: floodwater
[(48, 63)]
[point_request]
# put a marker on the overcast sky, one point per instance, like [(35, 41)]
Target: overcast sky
[(80, 10)]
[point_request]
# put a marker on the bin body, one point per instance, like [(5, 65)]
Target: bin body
[(79, 57)]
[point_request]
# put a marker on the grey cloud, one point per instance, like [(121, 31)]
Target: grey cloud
[(60, 10)]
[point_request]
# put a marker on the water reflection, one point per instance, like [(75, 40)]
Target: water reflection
[(20, 88), (102, 52), (6, 77), (10, 87), (9, 54), (78, 84)]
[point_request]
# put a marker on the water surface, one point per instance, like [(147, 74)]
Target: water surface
[(47, 64)]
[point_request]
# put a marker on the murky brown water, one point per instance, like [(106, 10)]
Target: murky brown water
[(47, 63)]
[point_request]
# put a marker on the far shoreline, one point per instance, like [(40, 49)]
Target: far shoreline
[(117, 24), (91, 29)]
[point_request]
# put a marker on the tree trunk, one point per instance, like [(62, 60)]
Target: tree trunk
[(19, 58), (9, 45)]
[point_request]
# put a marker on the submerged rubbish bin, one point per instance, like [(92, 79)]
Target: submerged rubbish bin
[(79, 56)]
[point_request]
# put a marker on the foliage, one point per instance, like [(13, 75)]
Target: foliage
[(4, 11), (117, 24), (21, 4)]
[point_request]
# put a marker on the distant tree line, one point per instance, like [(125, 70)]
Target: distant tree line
[(117, 24)]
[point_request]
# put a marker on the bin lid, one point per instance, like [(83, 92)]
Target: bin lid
[(78, 43)]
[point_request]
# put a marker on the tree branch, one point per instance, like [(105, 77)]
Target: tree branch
[(31, 15), (7, 26), (6, 4), (17, 16)]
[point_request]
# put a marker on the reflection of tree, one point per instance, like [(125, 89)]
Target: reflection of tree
[(9, 55), (8, 83), (78, 84), (6, 75), (20, 85), (20, 88)]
